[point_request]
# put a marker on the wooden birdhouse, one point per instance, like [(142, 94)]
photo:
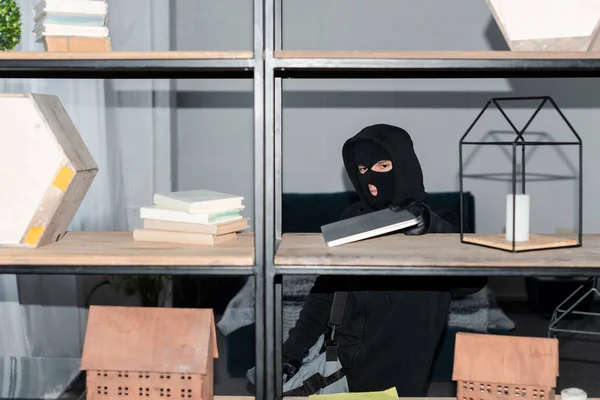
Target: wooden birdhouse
[(45, 170), (548, 25), (499, 367), (149, 353)]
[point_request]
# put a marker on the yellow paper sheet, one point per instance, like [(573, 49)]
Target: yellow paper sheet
[(390, 394)]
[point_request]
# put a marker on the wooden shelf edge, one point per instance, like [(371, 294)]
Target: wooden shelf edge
[(92, 248), (129, 55), (399, 251), (447, 55)]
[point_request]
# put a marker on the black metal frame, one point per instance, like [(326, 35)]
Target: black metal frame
[(560, 312), (427, 67), (277, 69), (127, 68), (268, 73), (388, 270), (173, 270), (173, 68), (521, 142)]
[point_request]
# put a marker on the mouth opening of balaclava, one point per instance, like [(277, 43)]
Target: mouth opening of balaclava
[(368, 153)]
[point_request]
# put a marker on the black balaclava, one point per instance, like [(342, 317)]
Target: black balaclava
[(368, 153)]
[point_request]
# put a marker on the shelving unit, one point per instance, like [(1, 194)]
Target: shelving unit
[(431, 64), (297, 254), (129, 65), (267, 255), (115, 253)]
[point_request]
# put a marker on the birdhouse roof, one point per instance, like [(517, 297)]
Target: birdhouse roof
[(145, 339), (509, 360)]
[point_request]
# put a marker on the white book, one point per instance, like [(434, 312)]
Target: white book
[(70, 30), (211, 229), (215, 217), (198, 201), (94, 7), (69, 19), (158, 236)]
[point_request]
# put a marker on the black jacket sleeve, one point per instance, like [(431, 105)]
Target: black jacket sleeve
[(353, 211), (312, 321), (439, 225)]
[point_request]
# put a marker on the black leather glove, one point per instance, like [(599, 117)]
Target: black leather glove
[(290, 368), (421, 211)]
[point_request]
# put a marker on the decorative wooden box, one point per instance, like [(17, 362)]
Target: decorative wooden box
[(45, 169), (548, 25), (150, 353), (494, 367)]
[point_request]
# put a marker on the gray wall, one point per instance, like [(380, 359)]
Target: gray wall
[(214, 117), (214, 122)]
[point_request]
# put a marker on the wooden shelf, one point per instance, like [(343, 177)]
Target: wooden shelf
[(429, 254), (85, 249), (435, 55), (433, 64), (128, 65), (128, 55)]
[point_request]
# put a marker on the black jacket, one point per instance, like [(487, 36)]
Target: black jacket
[(391, 325)]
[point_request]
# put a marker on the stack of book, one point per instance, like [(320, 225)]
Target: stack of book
[(71, 25), (200, 217)]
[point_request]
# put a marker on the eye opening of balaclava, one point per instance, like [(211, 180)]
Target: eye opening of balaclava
[(368, 153)]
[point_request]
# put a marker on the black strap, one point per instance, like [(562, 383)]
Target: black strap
[(331, 350), (337, 309), (315, 383), (335, 321)]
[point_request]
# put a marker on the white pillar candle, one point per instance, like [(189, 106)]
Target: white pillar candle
[(521, 217), (573, 394)]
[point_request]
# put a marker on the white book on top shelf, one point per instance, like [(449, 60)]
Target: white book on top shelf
[(69, 19), (198, 201), (67, 30), (94, 7), (214, 217)]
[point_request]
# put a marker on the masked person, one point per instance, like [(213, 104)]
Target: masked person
[(391, 326)]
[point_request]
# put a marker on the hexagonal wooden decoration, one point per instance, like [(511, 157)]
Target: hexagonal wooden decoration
[(45, 169), (548, 25)]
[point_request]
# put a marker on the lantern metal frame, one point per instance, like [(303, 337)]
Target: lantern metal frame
[(520, 141)]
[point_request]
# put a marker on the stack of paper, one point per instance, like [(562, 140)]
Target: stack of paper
[(192, 217), (70, 18), (390, 394)]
